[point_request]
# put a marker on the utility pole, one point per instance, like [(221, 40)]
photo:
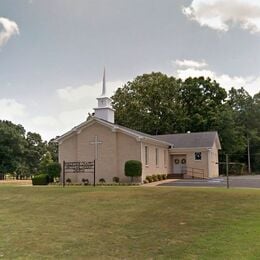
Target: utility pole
[(248, 156), (227, 171)]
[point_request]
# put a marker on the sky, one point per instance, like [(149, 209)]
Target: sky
[(53, 52)]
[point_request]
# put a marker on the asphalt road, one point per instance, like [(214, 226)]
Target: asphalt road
[(248, 181)]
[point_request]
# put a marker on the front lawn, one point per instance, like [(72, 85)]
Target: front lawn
[(129, 222)]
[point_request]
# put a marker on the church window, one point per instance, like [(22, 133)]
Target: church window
[(146, 155), (197, 156), (165, 158), (157, 156)]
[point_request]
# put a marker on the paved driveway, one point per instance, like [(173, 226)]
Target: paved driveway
[(248, 181)]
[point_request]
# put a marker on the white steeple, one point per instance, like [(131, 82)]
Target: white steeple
[(104, 110)]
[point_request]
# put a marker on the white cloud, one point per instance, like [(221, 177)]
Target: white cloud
[(9, 28), (222, 14), (250, 83), (86, 92), (10, 109), (191, 64), (47, 121)]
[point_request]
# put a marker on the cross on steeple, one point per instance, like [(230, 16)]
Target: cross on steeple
[(96, 143)]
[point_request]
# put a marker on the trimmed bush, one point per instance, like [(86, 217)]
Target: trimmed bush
[(149, 179), (102, 181), (116, 179), (159, 177), (68, 181), (41, 179), (154, 177), (85, 181), (164, 176), (133, 169)]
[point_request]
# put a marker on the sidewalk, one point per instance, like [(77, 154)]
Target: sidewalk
[(157, 183)]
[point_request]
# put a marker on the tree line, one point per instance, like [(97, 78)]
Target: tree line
[(158, 104), (24, 154)]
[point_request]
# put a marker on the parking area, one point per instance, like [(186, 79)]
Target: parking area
[(248, 181)]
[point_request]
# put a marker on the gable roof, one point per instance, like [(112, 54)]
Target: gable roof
[(187, 140), (190, 140), (115, 127)]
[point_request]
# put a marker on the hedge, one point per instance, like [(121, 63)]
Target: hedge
[(41, 179)]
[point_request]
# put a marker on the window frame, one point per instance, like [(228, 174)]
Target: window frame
[(146, 155)]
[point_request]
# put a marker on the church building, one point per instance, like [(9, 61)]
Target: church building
[(111, 145)]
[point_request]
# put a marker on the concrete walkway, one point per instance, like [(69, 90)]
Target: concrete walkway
[(159, 183), (247, 181)]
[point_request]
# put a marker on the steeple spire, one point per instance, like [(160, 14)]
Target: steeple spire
[(104, 110), (104, 83)]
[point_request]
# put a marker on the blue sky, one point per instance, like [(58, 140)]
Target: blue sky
[(52, 52)]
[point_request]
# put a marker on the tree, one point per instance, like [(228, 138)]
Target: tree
[(245, 113), (201, 100), (45, 161), (52, 147), (54, 170), (35, 150), (148, 104), (12, 145)]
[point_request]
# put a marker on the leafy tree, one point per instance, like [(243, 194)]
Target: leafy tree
[(35, 149), (12, 145), (52, 147), (201, 100), (149, 104), (45, 161), (54, 170)]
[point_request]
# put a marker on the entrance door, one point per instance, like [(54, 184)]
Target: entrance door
[(179, 164)]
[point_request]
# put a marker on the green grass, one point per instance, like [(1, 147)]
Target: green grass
[(129, 222)]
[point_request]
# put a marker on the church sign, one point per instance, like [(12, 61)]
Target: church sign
[(79, 167)]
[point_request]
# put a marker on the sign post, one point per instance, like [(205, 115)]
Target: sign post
[(63, 174), (227, 171)]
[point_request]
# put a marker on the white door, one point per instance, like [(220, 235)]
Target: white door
[(179, 164)]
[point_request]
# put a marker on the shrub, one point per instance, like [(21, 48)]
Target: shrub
[(159, 177), (154, 177), (41, 179), (145, 181), (149, 178), (53, 170), (133, 169), (68, 181), (102, 181), (116, 179), (164, 176), (85, 181)]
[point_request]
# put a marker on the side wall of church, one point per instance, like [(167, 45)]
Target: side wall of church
[(128, 148), (151, 165)]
